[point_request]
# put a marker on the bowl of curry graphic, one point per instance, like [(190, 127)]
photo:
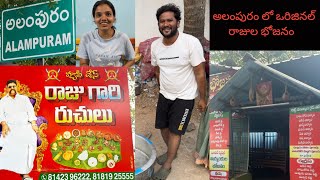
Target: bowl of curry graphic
[(86, 149)]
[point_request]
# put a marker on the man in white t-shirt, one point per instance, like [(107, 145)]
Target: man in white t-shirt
[(179, 62)]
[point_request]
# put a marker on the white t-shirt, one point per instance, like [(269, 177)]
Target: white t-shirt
[(176, 62), (101, 52)]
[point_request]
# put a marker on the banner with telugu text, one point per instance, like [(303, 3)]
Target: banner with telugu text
[(217, 81), (219, 145), (84, 120), (305, 142)]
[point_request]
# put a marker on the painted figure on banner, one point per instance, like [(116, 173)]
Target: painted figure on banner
[(19, 132)]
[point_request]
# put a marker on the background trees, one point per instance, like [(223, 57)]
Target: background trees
[(234, 58)]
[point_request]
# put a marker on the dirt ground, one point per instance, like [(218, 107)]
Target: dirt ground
[(183, 168)]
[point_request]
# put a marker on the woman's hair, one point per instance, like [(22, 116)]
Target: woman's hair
[(171, 8), (98, 3)]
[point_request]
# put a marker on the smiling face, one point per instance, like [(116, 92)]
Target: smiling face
[(168, 24), (104, 17), (11, 89)]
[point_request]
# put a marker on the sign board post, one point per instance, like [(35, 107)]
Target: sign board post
[(38, 30), (305, 142), (219, 145)]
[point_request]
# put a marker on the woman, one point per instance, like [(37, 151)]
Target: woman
[(105, 46)]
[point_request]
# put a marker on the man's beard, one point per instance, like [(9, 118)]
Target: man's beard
[(173, 32), (12, 92)]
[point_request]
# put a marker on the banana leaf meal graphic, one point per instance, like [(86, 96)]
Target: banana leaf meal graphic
[(86, 149)]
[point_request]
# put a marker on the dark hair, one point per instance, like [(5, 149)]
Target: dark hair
[(11, 81), (98, 3), (169, 7)]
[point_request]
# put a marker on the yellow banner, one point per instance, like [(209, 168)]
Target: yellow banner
[(219, 159), (305, 152)]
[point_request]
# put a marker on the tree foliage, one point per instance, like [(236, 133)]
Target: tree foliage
[(234, 58), (58, 60), (5, 4)]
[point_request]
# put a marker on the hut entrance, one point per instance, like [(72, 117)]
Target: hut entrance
[(260, 143)]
